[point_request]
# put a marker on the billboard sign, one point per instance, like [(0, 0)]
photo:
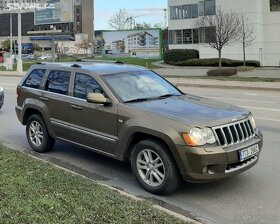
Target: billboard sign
[(133, 43), (61, 12)]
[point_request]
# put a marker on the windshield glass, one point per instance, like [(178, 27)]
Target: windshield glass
[(143, 85)]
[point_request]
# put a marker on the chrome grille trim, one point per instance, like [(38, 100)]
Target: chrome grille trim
[(234, 133)]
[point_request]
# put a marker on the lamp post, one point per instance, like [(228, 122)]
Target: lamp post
[(11, 33), (19, 61)]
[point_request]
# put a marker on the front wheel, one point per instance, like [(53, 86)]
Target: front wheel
[(154, 167), (37, 134)]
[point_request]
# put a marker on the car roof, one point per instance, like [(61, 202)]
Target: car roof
[(96, 67)]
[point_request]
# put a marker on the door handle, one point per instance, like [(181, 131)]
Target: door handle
[(44, 98), (76, 107)]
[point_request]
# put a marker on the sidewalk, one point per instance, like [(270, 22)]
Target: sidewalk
[(208, 83), (185, 71)]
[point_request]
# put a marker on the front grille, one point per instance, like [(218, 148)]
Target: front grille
[(234, 133)]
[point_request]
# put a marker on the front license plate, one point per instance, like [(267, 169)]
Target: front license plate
[(249, 152)]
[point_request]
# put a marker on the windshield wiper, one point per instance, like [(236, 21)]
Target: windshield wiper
[(168, 95), (137, 100)]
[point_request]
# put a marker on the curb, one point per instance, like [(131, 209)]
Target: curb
[(227, 87), (124, 193)]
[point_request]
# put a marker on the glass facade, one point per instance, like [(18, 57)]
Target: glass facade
[(206, 7), (186, 36)]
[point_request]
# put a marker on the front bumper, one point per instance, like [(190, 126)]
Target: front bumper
[(1, 99), (214, 163)]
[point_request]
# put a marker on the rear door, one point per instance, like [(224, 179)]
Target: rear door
[(57, 101), (92, 125)]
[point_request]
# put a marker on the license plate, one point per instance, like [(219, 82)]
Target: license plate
[(248, 152)]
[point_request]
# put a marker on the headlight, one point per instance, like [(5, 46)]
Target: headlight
[(253, 123), (199, 137)]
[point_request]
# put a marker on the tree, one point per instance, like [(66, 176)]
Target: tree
[(120, 20), (246, 34), (5, 45), (220, 30)]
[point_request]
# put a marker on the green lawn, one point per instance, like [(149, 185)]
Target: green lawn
[(32, 191)]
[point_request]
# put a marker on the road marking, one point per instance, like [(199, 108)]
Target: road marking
[(225, 98), (260, 108), (268, 119)]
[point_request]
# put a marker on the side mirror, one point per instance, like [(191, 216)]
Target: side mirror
[(98, 98)]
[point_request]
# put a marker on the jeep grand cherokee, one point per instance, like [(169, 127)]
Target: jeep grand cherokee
[(131, 113)]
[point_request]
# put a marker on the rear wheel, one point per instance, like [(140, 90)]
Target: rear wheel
[(37, 134), (154, 167)]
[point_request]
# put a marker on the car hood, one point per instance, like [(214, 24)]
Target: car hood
[(193, 110)]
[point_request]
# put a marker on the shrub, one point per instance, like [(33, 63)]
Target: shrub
[(222, 72), (179, 55), (214, 62)]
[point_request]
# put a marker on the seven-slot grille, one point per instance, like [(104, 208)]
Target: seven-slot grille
[(234, 133)]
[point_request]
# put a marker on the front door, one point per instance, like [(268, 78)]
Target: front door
[(92, 125)]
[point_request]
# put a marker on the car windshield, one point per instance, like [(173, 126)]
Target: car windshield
[(140, 86)]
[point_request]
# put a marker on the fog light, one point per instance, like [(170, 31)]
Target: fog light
[(205, 169)]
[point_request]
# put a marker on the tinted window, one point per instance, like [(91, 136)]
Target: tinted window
[(85, 84), (35, 78), (58, 82), (210, 7)]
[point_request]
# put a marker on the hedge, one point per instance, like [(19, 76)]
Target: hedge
[(222, 72), (214, 62), (179, 55)]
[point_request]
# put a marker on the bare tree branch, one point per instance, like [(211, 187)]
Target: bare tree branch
[(120, 20), (247, 34), (223, 30)]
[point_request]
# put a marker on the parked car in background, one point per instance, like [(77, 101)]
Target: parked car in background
[(1, 96), (131, 113), (46, 57), (2, 56), (25, 57)]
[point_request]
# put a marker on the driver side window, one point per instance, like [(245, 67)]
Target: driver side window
[(85, 84)]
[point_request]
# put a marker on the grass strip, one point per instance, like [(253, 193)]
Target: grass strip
[(32, 191), (232, 78)]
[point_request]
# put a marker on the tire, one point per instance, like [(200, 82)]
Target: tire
[(154, 167), (42, 141)]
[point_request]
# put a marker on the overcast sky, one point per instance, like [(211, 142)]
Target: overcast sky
[(104, 9)]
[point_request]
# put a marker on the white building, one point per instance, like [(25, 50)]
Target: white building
[(264, 15)]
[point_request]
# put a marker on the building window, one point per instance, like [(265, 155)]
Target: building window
[(187, 36), (186, 11), (210, 7), (274, 5), (201, 8), (194, 10), (175, 12), (195, 36), (175, 37), (207, 34)]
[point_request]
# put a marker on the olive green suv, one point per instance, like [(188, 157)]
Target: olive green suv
[(132, 114)]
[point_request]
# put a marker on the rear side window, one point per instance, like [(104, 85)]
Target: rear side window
[(85, 84), (58, 82), (35, 78)]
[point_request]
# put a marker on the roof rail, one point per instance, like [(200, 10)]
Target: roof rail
[(76, 66), (103, 61)]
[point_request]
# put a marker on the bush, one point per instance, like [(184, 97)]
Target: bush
[(179, 55), (222, 72), (214, 62)]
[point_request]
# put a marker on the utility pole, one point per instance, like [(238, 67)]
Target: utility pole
[(11, 33), (19, 61)]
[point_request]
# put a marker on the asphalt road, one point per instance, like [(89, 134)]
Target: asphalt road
[(251, 197)]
